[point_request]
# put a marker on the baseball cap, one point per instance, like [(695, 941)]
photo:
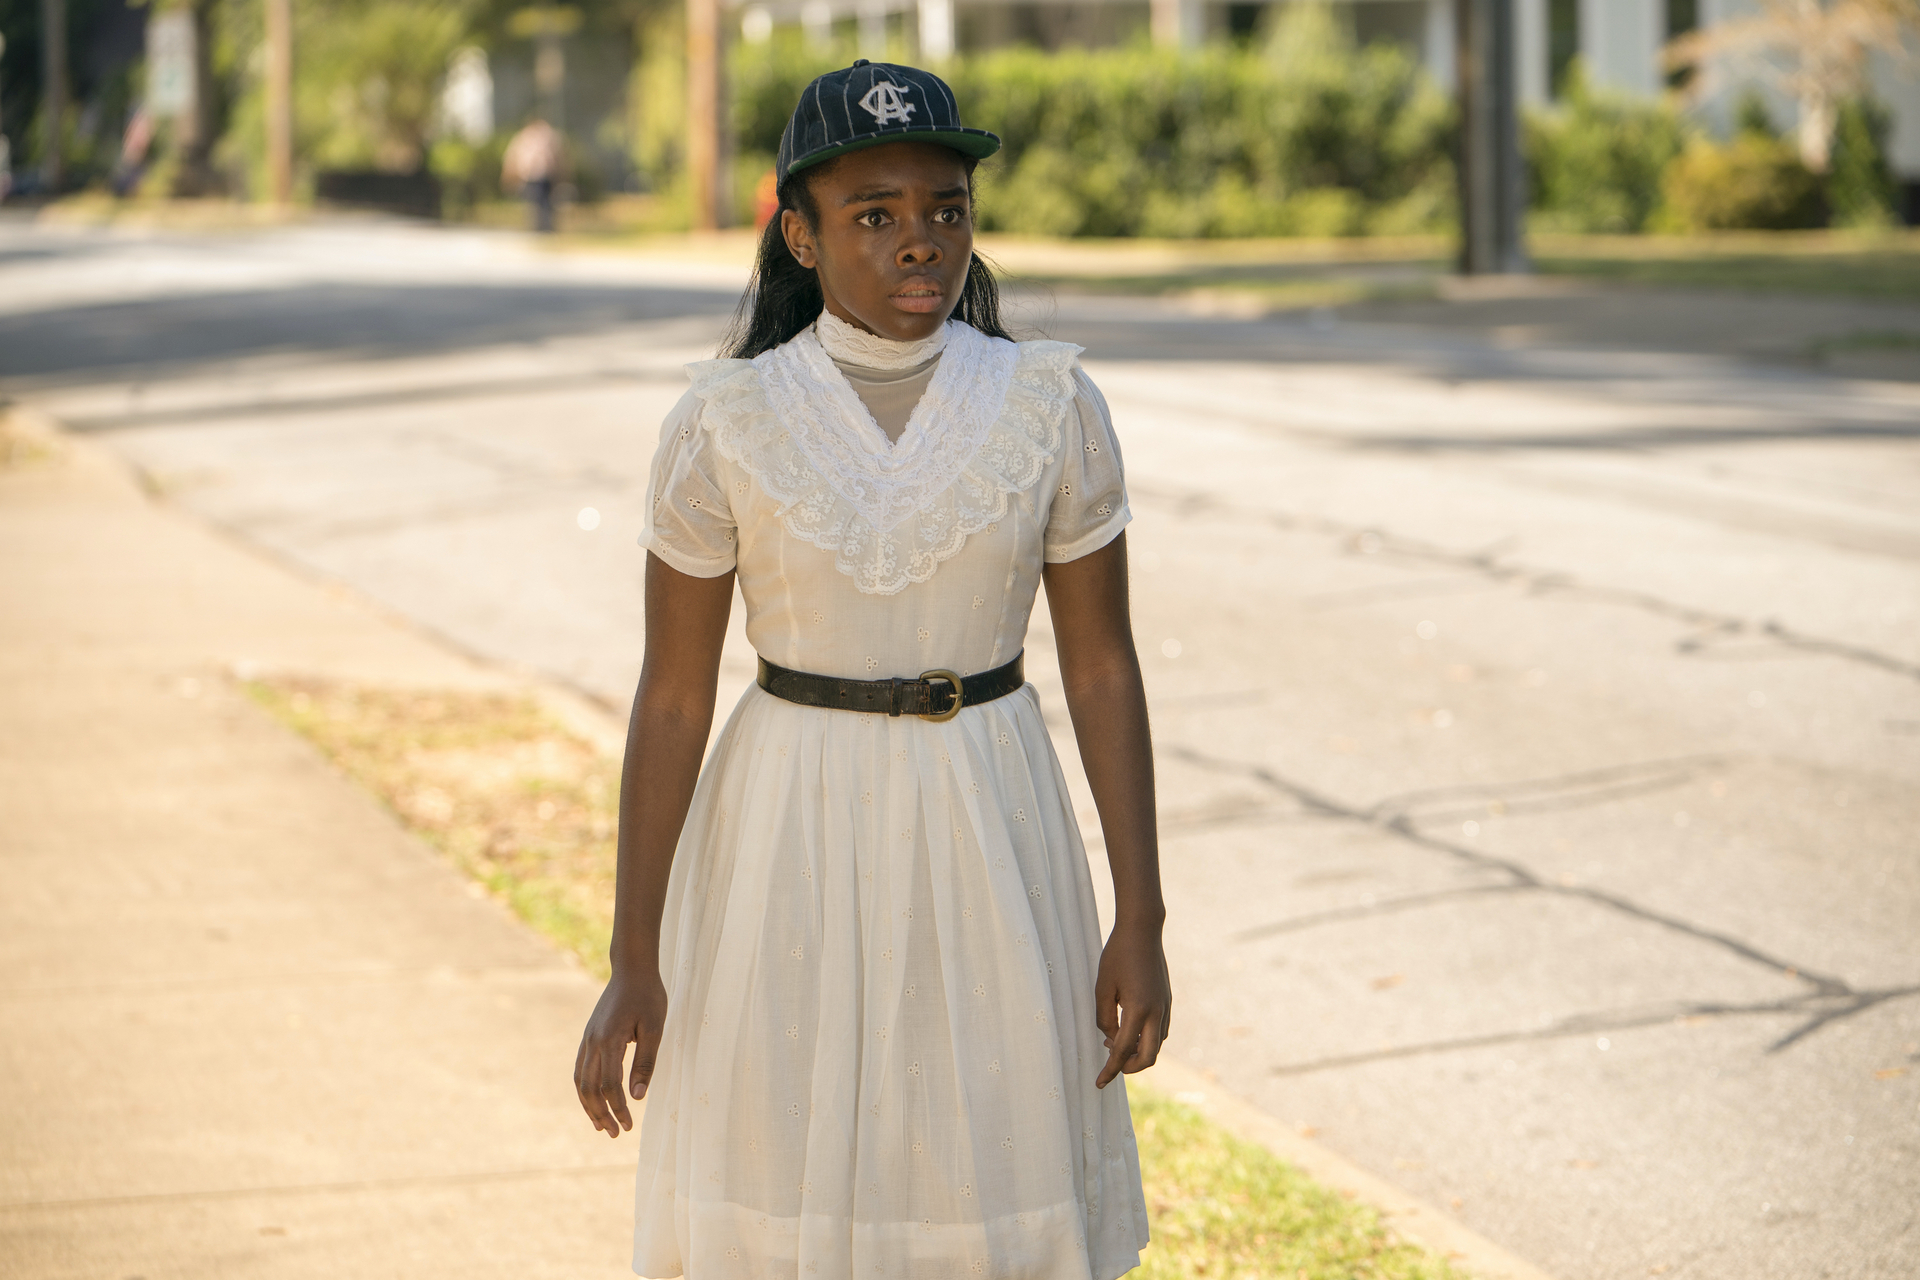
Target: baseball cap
[(870, 103)]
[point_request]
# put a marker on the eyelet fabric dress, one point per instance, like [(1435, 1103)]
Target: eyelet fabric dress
[(880, 940)]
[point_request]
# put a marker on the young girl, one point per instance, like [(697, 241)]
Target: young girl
[(858, 954)]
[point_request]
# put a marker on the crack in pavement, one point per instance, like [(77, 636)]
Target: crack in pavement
[(1821, 1009), (1395, 821), (1226, 816), (1371, 540), (1828, 999)]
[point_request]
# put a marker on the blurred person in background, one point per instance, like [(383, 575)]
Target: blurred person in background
[(532, 165), (134, 147)]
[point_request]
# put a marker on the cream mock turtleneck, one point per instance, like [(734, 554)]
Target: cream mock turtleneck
[(888, 376), (849, 345)]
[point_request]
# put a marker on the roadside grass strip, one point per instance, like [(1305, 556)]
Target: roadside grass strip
[(527, 810), (491, 781)]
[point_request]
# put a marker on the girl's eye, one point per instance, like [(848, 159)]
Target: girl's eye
[(871, 218), (948, 215)]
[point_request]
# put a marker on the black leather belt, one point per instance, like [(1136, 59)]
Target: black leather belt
[(931, 696)]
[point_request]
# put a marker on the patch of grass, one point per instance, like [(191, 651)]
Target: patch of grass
[(1880, 266), (528, 809), (1867, 340), (1224, 1209), (1253, 291), (25, 441), (491, 781)]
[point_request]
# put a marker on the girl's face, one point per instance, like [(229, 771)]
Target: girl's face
[(895, 237)]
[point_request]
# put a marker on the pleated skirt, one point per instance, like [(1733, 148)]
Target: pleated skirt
[(879, 947)]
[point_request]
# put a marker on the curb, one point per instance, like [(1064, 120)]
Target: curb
[(1409, 1218)]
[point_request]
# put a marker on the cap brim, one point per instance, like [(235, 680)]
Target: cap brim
[(977, 143)]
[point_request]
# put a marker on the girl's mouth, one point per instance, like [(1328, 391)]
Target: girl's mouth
[(919, 298)]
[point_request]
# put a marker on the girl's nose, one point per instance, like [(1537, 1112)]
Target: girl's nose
[(917, 247)]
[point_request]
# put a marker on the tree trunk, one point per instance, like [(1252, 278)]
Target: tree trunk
[(53, 81), (280, 101), (703, 113)]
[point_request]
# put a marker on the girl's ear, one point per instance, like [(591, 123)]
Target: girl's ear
[(799, 237)]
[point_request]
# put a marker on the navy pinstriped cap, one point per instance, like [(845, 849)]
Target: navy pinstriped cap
[(870, 103)]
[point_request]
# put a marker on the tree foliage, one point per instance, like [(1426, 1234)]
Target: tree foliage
[(1596, 159), (1816, 50)]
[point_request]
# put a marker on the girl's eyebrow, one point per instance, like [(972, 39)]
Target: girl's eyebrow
[(893, 193)]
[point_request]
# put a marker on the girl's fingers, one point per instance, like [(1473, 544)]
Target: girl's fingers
[(1108, 1072), (646, 1051), (1153, 1033), (586, 1075), (1106, 1010), (612, 1097), (1124, 1046), (642, 1074)]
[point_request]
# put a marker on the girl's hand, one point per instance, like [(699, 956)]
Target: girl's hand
[(1133, 1000), (632, 1010)]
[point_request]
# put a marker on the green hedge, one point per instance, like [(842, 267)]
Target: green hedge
[(1861, 191), (1308, 135), (1595, 159)]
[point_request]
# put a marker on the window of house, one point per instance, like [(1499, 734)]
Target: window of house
[(1401, 22), (1243, 22), (1682, 16), (1563, 41)]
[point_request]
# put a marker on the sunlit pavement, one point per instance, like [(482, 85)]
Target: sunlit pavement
[(1538, 721)]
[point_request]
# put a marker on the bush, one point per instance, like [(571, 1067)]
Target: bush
[(369, 82), (1596, 159), (1755, 182), (1860, 186), (1307, 136), (469, 172), (366, 86)]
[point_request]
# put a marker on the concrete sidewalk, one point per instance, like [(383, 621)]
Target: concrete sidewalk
[(251, 1028)]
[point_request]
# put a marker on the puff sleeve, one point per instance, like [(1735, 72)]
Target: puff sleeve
[(1090, 504), (689, 521)]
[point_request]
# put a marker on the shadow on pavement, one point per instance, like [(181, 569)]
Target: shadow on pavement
[(167, 336)]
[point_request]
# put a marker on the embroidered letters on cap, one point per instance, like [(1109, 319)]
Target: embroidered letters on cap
[(886, 102)]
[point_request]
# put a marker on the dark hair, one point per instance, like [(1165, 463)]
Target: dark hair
[(784, 297)]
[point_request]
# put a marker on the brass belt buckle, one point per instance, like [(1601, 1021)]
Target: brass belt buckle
[(959, 694)]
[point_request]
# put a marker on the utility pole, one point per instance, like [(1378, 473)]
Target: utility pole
[(53, 79), (703, 112), (1492, 183), (280, 101)]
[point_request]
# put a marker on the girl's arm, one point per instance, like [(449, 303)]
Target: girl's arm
[(672, 714), (1088, 599)]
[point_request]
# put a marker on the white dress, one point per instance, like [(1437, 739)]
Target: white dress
[(880, 941)]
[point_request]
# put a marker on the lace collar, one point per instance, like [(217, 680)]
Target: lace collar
[(987, 427), (849, 345)]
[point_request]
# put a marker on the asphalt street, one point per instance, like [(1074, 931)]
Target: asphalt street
[(1535, 672)]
